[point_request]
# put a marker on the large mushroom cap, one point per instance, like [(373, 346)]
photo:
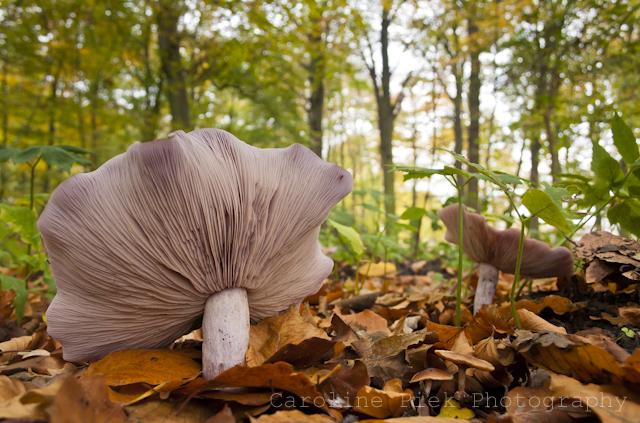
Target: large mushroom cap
[(139, 245), (484, 244)]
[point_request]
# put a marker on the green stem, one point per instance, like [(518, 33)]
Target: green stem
[(460, 240), (522, 287), (516, 277)]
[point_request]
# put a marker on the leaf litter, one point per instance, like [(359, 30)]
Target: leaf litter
[(366, 357)]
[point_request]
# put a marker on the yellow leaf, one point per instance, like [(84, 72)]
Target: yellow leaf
[(452, 409), (154, 367), (377, 269)]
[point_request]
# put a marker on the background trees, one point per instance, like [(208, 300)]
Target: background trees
[(526, 86)]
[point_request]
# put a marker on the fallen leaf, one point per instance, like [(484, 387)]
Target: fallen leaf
[(376, 270), (569, 355), (535, 323), (169, 412), (13, 344), (452, 409), (341, 388), (85, 401), (291, 416), (225, 416), (273, 333), (171, 368), (31, 404), (611, 403), (382, 403)]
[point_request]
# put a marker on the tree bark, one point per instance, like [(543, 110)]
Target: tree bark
[(535, 160), (5, 124), (316, 102), (167, 18), (386, 117), (52, 128), (474, 114)]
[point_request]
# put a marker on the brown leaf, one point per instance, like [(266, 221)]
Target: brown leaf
[(85, 401), (559, 305), (273, 333), (446, 334), (382, 403), (630, 314), (13, 344), (366, 320), (225, 416), (169, 368), (305, 354), (611, 403), (569, 355), (31, 404), (169, 412), (341, 388), (292, 416), (41, 365), (535, 323), (10, 388), (277, 375)]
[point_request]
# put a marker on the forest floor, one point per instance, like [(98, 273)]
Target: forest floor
[(347, 357)]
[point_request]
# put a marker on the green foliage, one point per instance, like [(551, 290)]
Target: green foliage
[(22, 221), (20, 288), (542, 205), (351, 236)]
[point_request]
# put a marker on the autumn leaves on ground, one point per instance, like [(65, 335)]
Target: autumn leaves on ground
[(390, 352)]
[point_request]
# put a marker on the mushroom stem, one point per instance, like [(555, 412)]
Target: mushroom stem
[(487, 283), (225, 330)]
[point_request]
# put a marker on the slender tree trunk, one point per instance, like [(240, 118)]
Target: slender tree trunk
[(474, 114), (316, 102), (551, 138), (94, 106), (5, 124), (535, 160), (386, 117), (169, 45), (52, 128)]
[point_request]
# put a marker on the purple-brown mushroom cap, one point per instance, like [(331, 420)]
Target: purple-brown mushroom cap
[(139, 245), (484, 244)]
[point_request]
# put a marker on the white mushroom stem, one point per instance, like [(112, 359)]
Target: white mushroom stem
[(487, 283), (225, 330)]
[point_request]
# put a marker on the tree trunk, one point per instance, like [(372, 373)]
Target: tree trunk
[(535, 160), (474, 114), (5, 124), (93, 101), (169, 44), (316, 102), (52, 128), (386, 117), (551, 138)]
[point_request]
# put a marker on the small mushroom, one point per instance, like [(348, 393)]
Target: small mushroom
[(174, 229), (497, 250), (428, 376), (464, 362)]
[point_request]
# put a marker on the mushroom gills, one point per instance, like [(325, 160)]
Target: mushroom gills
[(225, 330), (488, 276)]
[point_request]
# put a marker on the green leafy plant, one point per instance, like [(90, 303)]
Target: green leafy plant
[(539, 203), (20, 220), (613, 188)]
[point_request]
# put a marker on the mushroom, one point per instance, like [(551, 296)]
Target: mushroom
[(498, 250), (429, 375), (464, 362), (174, 229)]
